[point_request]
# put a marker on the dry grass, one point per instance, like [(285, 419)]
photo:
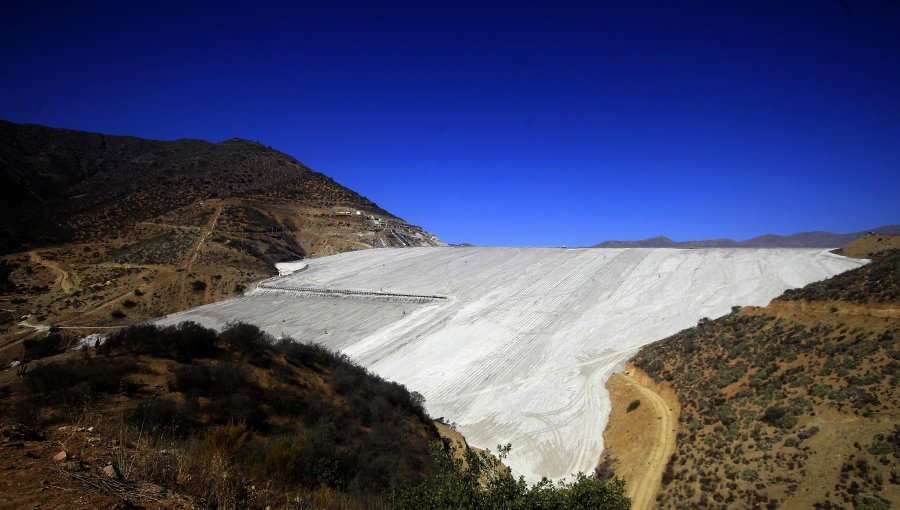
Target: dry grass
[(231, 420)]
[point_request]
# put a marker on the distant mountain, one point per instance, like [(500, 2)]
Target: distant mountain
[(665, 242), (800, 240), (814, 239)]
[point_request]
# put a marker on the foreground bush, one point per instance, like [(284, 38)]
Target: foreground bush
[(185, 341), (50, 345), (249, 422), (478, 482), (311, 420)]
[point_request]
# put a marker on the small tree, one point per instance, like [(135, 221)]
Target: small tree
[(418, 399)]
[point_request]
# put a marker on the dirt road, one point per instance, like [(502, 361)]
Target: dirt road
[(191, 255), (642, 489), (64, 278)]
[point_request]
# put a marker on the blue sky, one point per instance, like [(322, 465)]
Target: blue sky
[(519, 123)]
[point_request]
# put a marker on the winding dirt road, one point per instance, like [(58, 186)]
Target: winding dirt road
[(642, 489), (65, 279)]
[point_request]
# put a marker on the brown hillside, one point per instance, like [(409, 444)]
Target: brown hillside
[(185, 417), (63, 185), (792, 405), (104, 231), (870, 244)]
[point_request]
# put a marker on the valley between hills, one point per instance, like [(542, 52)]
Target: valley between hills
[(154, 358)]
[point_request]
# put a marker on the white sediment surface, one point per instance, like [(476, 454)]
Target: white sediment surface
[(286, 268), (514, 344)]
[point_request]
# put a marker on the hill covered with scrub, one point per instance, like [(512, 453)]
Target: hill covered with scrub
[(185, 417), (60, 186), (792, 405), (101, 231)]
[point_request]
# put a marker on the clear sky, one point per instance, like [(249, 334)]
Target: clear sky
[(514, 123)]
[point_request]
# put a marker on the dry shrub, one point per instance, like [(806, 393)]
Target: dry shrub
[(282, 456), (225, 441), (207, 468)]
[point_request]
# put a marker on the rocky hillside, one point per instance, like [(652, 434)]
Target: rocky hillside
[(60, 185), (103, 231), (792, 405)]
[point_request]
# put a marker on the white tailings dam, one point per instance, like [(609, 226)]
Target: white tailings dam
[(514, 344)]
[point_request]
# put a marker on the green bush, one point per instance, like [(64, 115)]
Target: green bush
[(780, 417), (868, 502), (634, 404), (482, 485), (820, 390), (881, 447), (186, 341), (75, 381), (245, 338)]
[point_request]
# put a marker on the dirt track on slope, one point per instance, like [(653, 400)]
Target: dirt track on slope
[(64, 278), (191, 255), (642, 440)]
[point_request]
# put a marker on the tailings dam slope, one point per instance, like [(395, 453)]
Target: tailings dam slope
[(514, 344)]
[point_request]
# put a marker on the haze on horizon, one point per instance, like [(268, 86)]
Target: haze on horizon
[(519, 123)]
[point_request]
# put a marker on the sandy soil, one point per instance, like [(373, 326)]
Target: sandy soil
[(640, 442), (33, 478)]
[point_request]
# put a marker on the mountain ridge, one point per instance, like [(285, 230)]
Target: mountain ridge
[(91, 186), (813, 239)]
